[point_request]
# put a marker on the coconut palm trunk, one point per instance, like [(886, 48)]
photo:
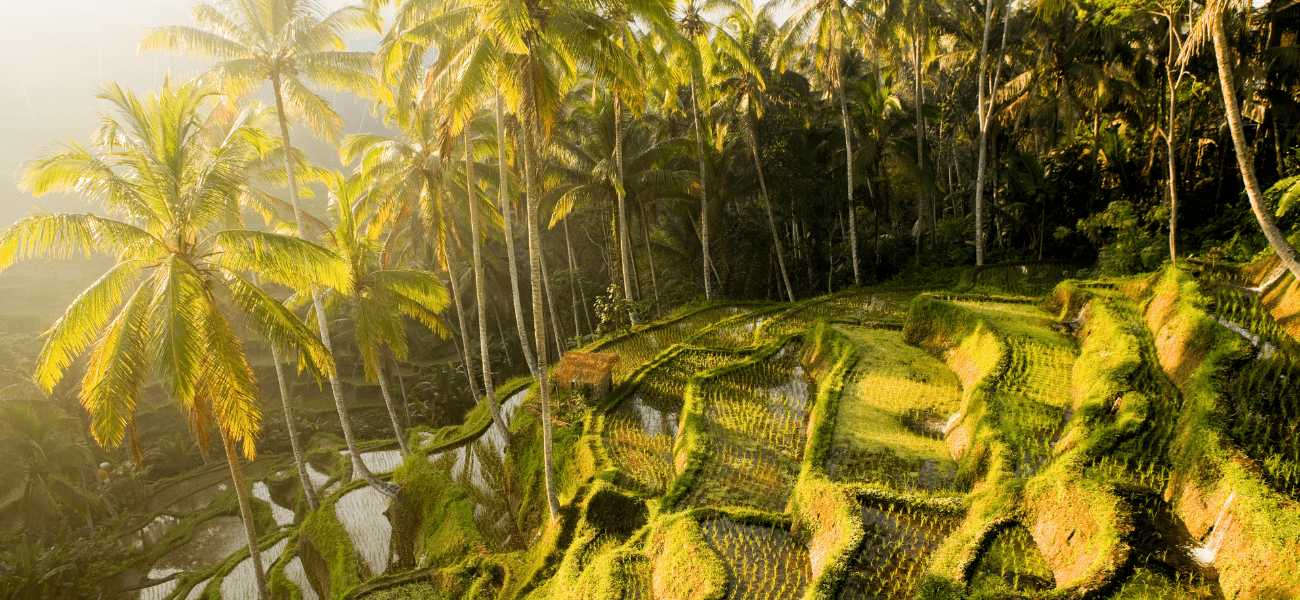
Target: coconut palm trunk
[(246, 513), (1171, 136), (920, 142), (480, 291), (539, 320), (322, 322), (392, 408), (292, 427), (767, 204), (649, 252), (1245, 158), (465, 356), (550, 308), (624, 248), (573, 279), (508, 218), (984, 107), (848, 166), (401, 384), (704, 191)]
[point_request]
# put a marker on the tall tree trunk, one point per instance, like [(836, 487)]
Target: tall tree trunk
[(987, 99), (920, 140), (292, 427), (704, 192), (246, 514), (466, 356), (392, 409), (508, 219), (1171, 137), (848, 167), (767, 204), (501, 333), (480, 293), (1245, 160), (322, 321), (624, 247), (539, 321), (560, 346), (573, 278), (401, 383), (649, 252)]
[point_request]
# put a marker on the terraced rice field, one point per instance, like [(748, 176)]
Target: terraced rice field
[(892, 415), (636, 348), (735, 333), (1033, 394), (896, 549), (1012, 565), (871, 306), (762, 562), (1266, 390), (640, 431), (757, 419)]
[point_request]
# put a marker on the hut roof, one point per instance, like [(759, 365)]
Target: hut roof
[(585, 367)]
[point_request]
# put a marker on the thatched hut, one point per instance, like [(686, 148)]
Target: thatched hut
[(591, 373)]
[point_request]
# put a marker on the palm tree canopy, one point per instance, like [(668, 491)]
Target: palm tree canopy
[(285, 41), (177, 295)]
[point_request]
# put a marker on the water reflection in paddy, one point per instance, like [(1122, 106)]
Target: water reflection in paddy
[(282, 515), (240, 584), (361, 512), (295, 573)]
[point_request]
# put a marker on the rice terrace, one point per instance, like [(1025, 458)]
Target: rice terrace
[(654, 300)]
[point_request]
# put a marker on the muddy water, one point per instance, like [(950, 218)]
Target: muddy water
[(478, 469), (212, 541), (295, 572), (379, 462), (240, 583), (463, 464), (1162, 544), (197, 590), (162, 590), (282, 515), (199, 499), (361, 512), (149, 535)]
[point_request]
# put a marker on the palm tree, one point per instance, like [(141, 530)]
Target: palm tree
[(827, 30), (376, 298), (169, 305), (43, 461), (283, 42), (744, 84), (409, 175), (695, 29), (480, 282), (985, 103), (1210, 25)]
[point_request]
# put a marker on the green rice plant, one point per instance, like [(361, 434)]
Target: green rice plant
[(762, 562), (1011, 564), (640, 432), (1030, 398), (886, 307), (1026, 279), (757, 419), (891, 421), (895, 550), (638, 347)]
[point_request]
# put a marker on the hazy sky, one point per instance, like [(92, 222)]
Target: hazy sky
[(54, 54)]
